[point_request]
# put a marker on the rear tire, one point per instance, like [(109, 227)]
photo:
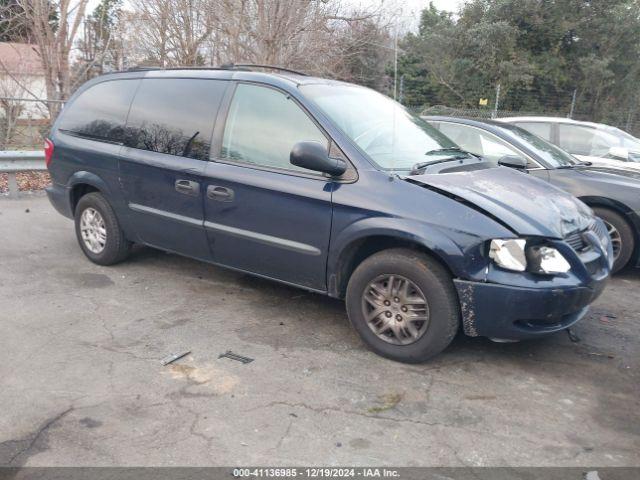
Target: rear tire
[(621, 233), (417, 277), (98, 231)]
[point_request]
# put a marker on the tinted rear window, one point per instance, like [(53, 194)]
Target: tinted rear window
[(100, 111), (175, 116)]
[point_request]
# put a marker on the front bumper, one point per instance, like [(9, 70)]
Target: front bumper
[(518, 313), (60, 198)]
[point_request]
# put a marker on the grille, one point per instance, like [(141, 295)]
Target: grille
[(576, 241), (600, 230)]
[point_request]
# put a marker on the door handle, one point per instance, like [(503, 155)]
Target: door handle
[(187, 187), (221, 194)]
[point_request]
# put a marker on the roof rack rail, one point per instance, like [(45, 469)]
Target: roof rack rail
[(265, 67), (143, 68), (139, 68), (227, 66)]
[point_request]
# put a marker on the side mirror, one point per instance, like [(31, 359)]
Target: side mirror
[(513, 161), (314, 156), (619, 153)]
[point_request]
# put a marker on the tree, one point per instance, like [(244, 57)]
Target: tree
[(173, 32), (53, 27), (296, 33), (363, 51), (540, 52), (101, 45), (12, 29)]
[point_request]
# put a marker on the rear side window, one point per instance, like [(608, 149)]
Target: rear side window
[(100, 111), (581, 140), (543, 130), (175, 116)]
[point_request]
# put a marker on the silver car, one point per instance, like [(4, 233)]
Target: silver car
[(601, 145)]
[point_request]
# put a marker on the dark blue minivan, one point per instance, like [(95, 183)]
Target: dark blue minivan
[(330, 187)]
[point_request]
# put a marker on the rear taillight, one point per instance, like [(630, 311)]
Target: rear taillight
[(48, 151)]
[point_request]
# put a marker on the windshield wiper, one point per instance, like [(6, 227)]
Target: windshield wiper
[(574, 165), (445, 150), (422, 165)]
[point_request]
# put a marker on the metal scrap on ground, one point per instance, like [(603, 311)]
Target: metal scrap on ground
[(235, 356), (173, 357)]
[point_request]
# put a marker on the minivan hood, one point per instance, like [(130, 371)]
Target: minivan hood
[(527, 205)]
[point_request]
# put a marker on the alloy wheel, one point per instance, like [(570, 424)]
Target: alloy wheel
[(93, 230)]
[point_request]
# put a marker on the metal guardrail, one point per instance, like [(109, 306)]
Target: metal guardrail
[(12, 162)]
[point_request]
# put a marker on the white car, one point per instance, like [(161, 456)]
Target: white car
[(603, 146)]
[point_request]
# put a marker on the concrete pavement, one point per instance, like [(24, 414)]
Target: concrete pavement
[(82, 383)]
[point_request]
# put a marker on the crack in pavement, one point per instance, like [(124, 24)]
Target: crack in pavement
[(31, 440), (284, 435), (385, 418)]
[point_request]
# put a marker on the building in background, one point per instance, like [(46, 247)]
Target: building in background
[(22, 77), (23, 94)]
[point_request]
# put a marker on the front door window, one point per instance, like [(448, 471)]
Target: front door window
[(262, 127)]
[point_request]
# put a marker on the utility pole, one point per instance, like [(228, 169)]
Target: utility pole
[(395, 63), (401, 94), (494, 114), (573, 103)]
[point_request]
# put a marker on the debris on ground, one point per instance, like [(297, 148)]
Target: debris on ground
[(572, 336), (173, 357), (234, 356), (389, 401), (597, 354), (607, 318)]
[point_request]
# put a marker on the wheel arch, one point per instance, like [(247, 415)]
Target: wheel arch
[(82, 183), (626, 212), (359, 249)]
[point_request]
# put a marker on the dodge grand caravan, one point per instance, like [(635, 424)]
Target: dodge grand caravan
[(330, 187)]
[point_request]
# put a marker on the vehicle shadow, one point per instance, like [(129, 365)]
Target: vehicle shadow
[(320, 322)]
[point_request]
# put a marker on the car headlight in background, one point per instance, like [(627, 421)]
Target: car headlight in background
[(509, 254), (514, 255)]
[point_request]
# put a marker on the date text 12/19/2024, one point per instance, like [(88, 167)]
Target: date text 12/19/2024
[(315, 472)]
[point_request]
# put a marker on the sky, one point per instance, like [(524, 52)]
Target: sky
[(409, 9)]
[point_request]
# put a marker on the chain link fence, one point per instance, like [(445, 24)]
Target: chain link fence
[(500, 105), (614, 118)]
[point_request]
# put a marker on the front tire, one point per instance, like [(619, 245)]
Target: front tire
[(622, 237), (403, 305), (98, 231)]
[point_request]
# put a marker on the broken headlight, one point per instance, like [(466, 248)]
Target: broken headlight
[(546, 260), (509, 254), (514, 255)]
